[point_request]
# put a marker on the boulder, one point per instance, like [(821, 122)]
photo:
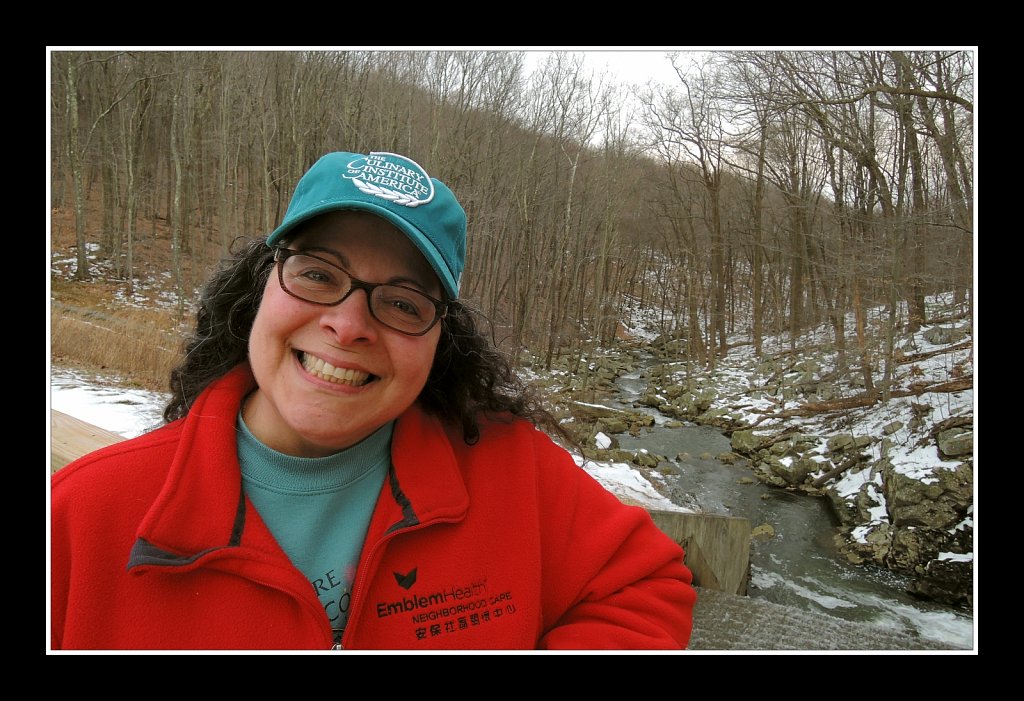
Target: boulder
[(791, 471), (956, 442), (942, 336), (745, 441), (949, 581), (939, 502)]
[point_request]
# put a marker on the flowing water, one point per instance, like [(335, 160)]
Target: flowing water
[(799, 565)]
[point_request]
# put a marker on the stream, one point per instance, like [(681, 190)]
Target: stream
[(799, 566)]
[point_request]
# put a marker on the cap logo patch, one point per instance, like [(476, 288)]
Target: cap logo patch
[(391, 177)]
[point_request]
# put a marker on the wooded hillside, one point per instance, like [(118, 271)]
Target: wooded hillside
[(764, 192)]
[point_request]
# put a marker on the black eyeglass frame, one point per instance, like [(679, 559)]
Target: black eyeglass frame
[(281, 254)]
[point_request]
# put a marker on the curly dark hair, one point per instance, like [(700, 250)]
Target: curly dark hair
[(470, 376)]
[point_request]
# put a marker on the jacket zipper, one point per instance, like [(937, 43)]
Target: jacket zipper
[(357, 598)]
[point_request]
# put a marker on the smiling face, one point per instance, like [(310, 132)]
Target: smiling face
[(304, 408)]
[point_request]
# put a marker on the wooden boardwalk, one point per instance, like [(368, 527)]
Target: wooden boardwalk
[(71, 438)]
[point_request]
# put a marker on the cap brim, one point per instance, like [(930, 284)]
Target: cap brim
[(419, 239)]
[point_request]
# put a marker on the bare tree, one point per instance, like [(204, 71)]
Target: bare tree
[(133, 128), (77, 141), (776, 186), (689, 129)]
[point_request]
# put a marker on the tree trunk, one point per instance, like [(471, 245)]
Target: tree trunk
[(75, 161), (175, 214)]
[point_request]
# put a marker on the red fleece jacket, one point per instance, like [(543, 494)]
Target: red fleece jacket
[(506, 544)]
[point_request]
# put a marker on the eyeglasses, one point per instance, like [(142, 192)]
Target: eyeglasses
[(313, 279)]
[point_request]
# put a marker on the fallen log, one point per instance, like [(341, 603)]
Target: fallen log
[(836, 471), (957, 385), (949, 319), (866, 400), (914, 357), (951, 422)]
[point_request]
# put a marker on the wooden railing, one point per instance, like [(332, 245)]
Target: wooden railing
[(71, 438)]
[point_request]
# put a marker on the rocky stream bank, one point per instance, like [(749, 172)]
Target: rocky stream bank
[(899, 473)]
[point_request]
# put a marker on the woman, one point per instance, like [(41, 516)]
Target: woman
[(348, 463)]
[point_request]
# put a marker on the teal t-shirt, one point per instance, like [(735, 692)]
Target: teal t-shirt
[(318, 509)]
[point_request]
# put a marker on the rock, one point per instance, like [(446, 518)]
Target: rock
[(867, 502), (892, 427), (913, 548), (866, 543), (714, 417), (762, 532), (589, 412), (847, 442), (675, 391), (745, 441), (950, 581), (602, 440), (844, 509), (840, 442), (956, 442), (644, 458), (792, 472), (941, 336), (861, 442), (640, 419), (614, 425), (939, 502), (921, 411)]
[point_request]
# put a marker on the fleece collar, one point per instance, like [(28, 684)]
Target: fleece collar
[(201, 507)]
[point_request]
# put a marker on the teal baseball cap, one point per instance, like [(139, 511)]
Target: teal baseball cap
[(395, 188)]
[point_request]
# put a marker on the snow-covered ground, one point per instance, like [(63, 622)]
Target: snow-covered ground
[(740, 383)]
